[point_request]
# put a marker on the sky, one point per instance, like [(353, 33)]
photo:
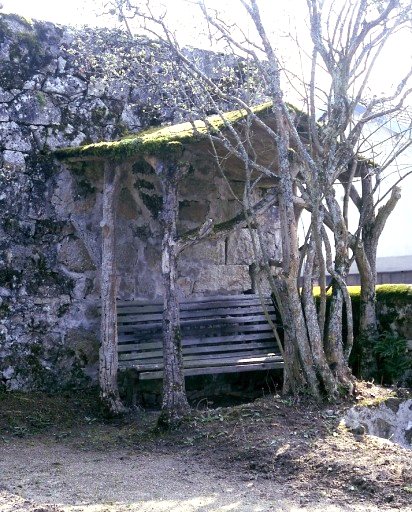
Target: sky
[(397, 59)]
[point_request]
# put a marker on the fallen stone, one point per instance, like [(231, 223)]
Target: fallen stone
[(390, 419)]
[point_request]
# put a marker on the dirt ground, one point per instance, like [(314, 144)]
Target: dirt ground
[(60, 454)]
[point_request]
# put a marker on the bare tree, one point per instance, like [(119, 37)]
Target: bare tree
[(311, 155), (108, 357), (375, 198)]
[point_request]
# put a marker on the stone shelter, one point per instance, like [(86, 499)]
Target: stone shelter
[(53, 95)]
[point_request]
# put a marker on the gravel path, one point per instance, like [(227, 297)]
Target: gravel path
[(40, 477)]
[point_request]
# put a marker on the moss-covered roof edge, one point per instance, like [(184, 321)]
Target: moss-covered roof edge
[(160, 141)]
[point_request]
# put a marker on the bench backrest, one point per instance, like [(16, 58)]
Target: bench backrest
[(214, 327)]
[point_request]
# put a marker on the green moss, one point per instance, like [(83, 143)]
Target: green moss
[(41, 275), (41, 163), (41, 98), (381, 357), (165, 141)]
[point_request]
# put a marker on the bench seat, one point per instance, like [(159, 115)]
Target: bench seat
[(219, 335)]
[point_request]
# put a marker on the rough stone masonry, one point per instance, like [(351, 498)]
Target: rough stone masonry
[(57, 89)]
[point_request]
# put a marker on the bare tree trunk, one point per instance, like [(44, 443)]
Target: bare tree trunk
[(108, 363), (175, 405), (365, 255), (314, 332), (338, 354), (365, 250), (368, 327)]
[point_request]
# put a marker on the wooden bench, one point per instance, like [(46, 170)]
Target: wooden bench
[(219, 335)]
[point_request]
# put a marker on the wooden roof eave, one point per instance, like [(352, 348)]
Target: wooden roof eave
[(158, 141)]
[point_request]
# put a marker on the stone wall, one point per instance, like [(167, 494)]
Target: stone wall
[(55, 92)]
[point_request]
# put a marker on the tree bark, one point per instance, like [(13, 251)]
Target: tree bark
[(174, 405), (365, 251), (108, 358), (314, 328)]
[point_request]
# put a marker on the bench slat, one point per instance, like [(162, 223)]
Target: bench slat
[(234, 338), (227, 331), (214, 321), (138, 318), (206, 363), (216, 370), (192, 300), (239, 339), (244, 350), (189, 306)]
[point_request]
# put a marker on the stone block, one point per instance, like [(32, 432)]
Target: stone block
[(221, 211), (153, 256), (65, 85), (193, 211), (74, 256), (127, 207), (185, 286), (147, 284), (4, 113), (211, 251), (130, 117), (85, 344), (12, 137), (240, 248), (193, 187), (127, 250), (222, 279), (118, 89), (5, 96), (14, 160), (35, 108)]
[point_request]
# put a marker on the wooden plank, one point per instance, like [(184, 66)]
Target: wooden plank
[(222, 336), (184, 315), (193, 300), (192, 362), (204, 352), (215, 321), (212, 371), (211, 343), (205, 363), (227, 330), (130, 307), (235, 338)]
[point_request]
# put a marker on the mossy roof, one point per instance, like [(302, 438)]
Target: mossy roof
[(158, 141)]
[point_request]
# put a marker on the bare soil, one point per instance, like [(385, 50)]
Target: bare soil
[(275, 454)]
